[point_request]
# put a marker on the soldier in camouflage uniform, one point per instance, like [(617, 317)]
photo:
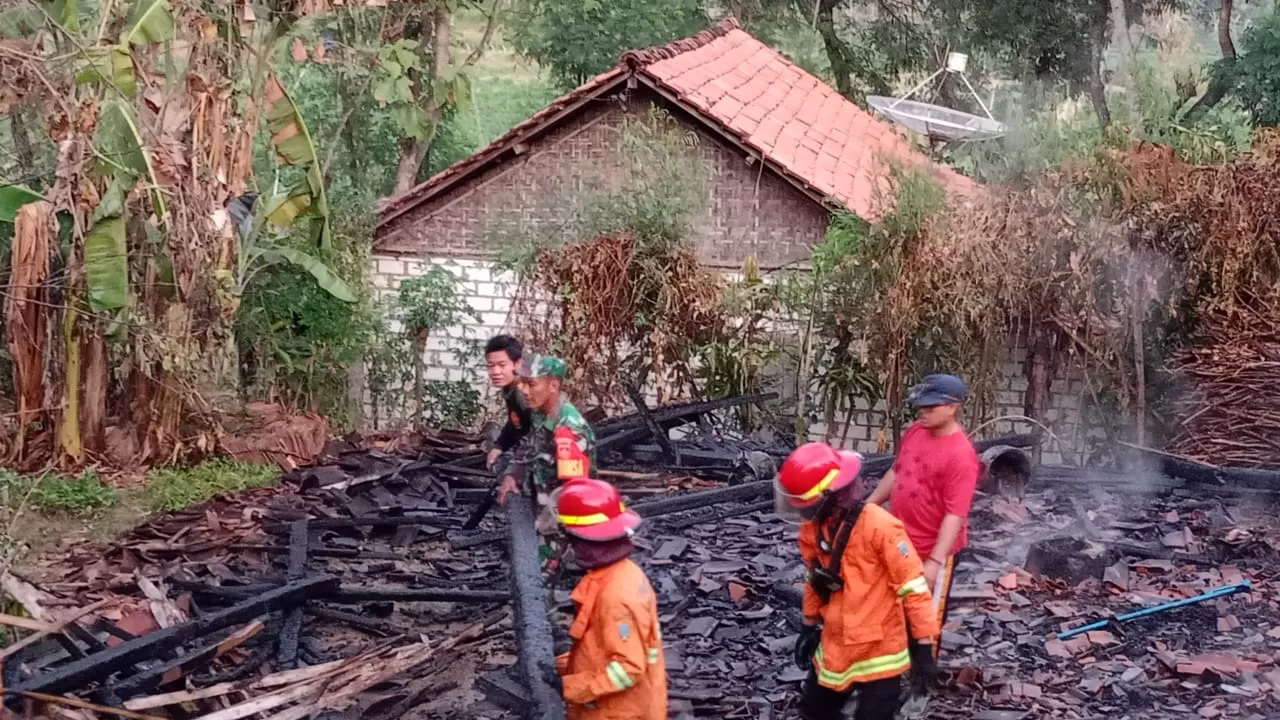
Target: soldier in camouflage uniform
[(561, 444)]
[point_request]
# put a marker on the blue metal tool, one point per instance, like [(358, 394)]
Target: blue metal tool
[(1217, 592)]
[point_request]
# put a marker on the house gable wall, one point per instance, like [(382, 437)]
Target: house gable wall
[(749, 211)]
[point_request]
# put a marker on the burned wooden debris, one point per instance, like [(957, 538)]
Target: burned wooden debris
[(533, 629), (359, 567), (272, 580)]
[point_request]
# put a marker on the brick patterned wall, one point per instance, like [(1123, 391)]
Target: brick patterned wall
[(870, 427), (748, 212), (490, 292)]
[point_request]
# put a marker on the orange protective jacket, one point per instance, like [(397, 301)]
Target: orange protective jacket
[(864, 631), (615, 670)]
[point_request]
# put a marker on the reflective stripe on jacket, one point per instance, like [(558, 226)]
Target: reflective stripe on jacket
[(864, 632), (615, 670)]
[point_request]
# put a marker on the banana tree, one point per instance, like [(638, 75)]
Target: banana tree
[(262, 245), (155, 120)]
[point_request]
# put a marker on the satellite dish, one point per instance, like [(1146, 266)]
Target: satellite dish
[(938, 123)]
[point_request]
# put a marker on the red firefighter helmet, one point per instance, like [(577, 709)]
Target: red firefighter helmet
[(593, 510), (809, 472)]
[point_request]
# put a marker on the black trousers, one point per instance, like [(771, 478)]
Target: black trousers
[(877, 700)]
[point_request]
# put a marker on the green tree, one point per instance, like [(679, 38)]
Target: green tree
[(432, 301), (1257, 78), (577, 39)]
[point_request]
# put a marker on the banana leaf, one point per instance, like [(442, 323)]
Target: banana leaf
[(288, 209), (20, 22), (149, 21), (12, 198), (106, 253), (108, 64), (67, 13), (294, 146), (119, 142), (324, 275)]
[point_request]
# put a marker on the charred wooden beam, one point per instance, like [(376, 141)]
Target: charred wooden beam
[(690, 501), (533, 629), (872, 466), (376, 628), (1146, 552), (715, 517), (347, 553), (287, 651), (174, 670), (435, 521), (223, 591), (100, 666), (357, 594), (463, 542), (1263, 478), (257, 658), (691, 458), (622, 439), (91, 641), (110, 628), (680, 412), (463, 476), (660, 435)]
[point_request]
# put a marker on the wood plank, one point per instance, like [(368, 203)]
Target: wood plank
[(100, 666), (57, 628), (285, 677), (173, 670), (27, 623), (35, 600), (166, 613), (86, 705), (267, 702)]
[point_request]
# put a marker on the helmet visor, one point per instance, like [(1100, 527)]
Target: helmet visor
[(794, 509), (798, 508)]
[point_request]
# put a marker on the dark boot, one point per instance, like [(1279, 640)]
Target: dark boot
[(822, 703)]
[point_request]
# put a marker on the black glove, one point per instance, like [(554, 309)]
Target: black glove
[(552, 678), (923, 667), (561, 641), (807, 645)]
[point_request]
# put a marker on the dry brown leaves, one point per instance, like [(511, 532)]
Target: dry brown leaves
[(618, 308), (1233, 403), (271, 434), (999, 265), (20, 74), (1084, 249)]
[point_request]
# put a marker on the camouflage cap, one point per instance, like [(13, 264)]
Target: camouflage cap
[(543, 366)]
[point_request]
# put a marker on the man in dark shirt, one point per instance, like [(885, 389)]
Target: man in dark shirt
[(503, 355)]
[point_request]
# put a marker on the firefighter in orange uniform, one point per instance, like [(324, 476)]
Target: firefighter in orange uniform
[(615, 669), (861, 575)]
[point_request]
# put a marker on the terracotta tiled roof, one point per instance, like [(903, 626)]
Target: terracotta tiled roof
[(752, 94)]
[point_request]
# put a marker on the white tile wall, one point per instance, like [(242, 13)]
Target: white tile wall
[(490, 292)]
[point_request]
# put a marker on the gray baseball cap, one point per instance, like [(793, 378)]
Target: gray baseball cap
[(938, 390)]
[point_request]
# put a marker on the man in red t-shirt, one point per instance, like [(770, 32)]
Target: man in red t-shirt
[(931, 484)]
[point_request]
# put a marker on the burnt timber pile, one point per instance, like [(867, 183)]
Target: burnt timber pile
[(351, 590)]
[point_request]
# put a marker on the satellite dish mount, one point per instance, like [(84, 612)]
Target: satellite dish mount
[(938, 123)]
